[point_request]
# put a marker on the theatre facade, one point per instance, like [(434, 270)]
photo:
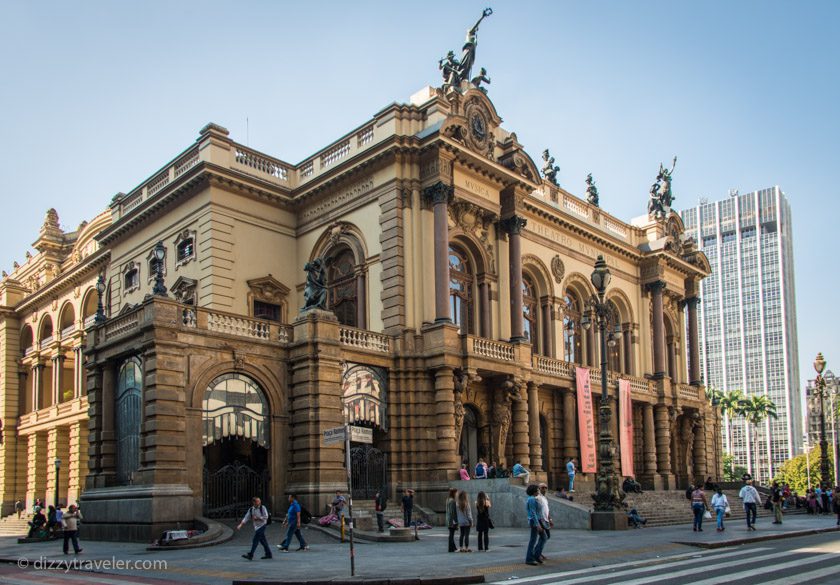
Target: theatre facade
[(457, 287)]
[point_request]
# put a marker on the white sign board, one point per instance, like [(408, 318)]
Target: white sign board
[(361, 435), (334, 435)]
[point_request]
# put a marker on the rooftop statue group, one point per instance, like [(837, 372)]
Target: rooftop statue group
[(661, 197), (456, 70)]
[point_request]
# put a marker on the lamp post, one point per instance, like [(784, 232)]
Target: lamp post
[(831, 387), (608, 495), (807, 460), (819, 387), (715, 404), (100, 292), (57, 467), (160, 254)]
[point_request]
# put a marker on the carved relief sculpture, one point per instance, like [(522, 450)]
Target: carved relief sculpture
[(315, 293)]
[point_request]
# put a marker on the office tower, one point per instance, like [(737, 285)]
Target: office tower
[(748, 318)]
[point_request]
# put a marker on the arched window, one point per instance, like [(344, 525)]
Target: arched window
[(530, 313), (571, 330), (461, 282), (341, 279), (235, 406), (128, 419)]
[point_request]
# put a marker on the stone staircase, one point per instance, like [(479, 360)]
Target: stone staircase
[(11, 526), (670, 507)]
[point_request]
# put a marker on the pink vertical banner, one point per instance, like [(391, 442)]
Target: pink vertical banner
[(586, 422), (625, 428)]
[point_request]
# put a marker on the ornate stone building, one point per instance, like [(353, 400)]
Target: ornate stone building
[(457, 283)]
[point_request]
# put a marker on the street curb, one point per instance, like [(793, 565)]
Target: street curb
[(454, 580), (740, 541), (360, 535)]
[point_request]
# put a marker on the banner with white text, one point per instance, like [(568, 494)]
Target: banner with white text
[(625, 428), (586, 422)]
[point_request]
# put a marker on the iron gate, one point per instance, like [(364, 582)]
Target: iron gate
[(228, 491), (369, 471)]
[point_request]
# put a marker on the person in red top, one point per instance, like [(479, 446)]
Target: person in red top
[(465, 475)]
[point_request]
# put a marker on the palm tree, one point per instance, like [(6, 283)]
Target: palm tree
[(755, 409), (730, 408)]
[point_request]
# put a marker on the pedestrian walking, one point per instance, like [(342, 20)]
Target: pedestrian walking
[(483, 523), (380, 502), (776, 499), (452, 518), (536, 541), (407, 506), (826, 499), (292, 523), (19, 508), (720, 503), (70, 523), (258, 515), (465, 521), (749, 495), (547, 522), (699, 506), (570, 471)]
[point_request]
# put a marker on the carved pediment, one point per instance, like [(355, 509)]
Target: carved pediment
[(268, 289), (517, 160), (184, 290)]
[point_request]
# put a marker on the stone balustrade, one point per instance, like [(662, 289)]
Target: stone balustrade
[(547, 365), (121, 325), (363, 339), (688, 391), (497, 350), (239, 326)]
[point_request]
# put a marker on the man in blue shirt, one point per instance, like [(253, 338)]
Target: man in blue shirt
[(533, 555), (570, 471), (520, 471), (293, 521)]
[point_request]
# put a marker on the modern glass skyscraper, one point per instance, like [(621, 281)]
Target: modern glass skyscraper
[(748, 319)]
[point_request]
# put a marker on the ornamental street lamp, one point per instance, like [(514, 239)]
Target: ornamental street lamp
[(57, 467), (831, 387), (159, 254), (819, 389), (608, 495), (100, 292)]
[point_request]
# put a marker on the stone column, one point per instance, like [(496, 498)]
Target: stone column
[(58, 376), (547, 328), (485, 322), (447, 449), (649, 435), (699, 463), (673, 368), (58, 447), (534, 430), (361, 301), (656, 289), (627, 340), (693, 342), (570, 440), (663, 446), (77, 464), (37, 376), (78, 373), (520, 427), (439, 194), (514, 226), (36, 484)]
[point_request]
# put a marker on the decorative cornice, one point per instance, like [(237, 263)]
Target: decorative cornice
[(72, 277)]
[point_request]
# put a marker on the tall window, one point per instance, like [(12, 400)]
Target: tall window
[(342, 288), (268, 311), (128, 419), (529, 312), (571, 330), (460, 291)]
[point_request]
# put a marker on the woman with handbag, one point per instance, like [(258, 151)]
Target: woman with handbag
[(465, 521), (700, 507), (483, 523), (452, 518), (721, 505)]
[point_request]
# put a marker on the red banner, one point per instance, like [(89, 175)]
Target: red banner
[(586, 422), (625, 428)]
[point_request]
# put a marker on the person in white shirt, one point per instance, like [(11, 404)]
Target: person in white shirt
[(720, 504), (257, 514), (749, 495), (545, 518)]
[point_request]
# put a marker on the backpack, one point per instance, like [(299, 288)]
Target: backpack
[(688, 493), (305, 516)]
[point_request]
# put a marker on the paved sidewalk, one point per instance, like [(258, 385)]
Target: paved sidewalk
[(329, 559)]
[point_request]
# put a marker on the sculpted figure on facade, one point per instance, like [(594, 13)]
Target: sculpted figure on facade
[(457, 70), (502, 414), (549, 170), (591, 190), (315, 293), (661, 197), (478, 79)]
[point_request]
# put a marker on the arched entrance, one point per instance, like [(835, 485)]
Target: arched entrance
[(468, 449), (363, 394), (236, 438)]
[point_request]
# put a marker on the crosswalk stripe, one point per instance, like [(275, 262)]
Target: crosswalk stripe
[(675, 560), (803, 577), (751, 572)]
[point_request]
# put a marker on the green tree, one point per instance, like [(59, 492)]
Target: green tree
[(730, 408), (732, 472), (755, 409), (794, 472)]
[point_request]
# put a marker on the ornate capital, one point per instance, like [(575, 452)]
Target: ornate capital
[(438, 193), (514, 224), (655, 286), (692, 303)]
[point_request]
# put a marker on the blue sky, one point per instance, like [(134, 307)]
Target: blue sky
[(95, 96)]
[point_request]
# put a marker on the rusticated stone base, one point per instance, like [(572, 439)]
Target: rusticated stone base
[(609, 520)]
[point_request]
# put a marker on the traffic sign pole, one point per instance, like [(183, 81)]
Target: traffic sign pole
[(349, 496)]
